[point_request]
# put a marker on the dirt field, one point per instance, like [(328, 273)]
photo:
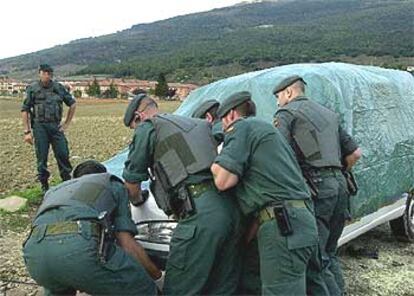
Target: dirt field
[(97, 132)]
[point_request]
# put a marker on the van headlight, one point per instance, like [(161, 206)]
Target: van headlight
[(158, 232)]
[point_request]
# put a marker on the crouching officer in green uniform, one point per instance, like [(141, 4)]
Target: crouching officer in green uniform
[(322, 149), (179, 150), (42, 115), (258, 163), (82, 239)]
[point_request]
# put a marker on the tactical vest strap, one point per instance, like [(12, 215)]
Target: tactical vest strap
[(188, 139), (47, 104), (184, 146), (316, 134), (90, 190)]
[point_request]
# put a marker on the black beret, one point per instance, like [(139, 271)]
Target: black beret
[(46, 68), (132, 107), (201, 110), (232, 102), (88, 167), (287, 82)]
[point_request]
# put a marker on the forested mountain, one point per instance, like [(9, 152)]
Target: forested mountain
[(207, 46)]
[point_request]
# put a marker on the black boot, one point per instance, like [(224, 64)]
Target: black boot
[(44, 185)]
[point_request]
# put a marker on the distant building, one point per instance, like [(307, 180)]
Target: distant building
[(126, 87), (182, 90), (10, 86)]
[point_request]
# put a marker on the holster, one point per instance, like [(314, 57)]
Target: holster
[(350, 182), (282, 219), (310, 181), (105, 238), (175, 200), (103, 245), (278, 212), (182, 203)]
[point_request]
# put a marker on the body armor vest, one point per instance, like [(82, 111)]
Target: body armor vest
[(91, 190), (184, 146), (47, 103), (316, 134)]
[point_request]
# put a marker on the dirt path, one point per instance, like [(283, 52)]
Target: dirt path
[(391, 274), (97, 131)]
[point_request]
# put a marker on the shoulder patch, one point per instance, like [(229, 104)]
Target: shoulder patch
[(230, 129), (276, 122)]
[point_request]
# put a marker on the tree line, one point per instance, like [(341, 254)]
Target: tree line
[(93, 89)]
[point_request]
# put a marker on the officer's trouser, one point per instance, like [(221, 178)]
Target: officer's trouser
[(65, 263), (315, 280), (204, 253), (331, 210), (250, 283), (283, 259), (46, 134)]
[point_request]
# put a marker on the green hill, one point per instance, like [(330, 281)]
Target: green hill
[(206, 46)]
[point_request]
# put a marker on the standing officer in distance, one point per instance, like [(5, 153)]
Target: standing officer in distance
[(178, 151), (322, 149), (82, 239), (258, 163), (42, 115)]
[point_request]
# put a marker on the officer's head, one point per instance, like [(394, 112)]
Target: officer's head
[(88, 167), (207, 110), (288, 89), (236, 106), (45, 73), (139, 109)]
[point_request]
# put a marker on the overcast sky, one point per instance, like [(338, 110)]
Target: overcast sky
[(31, 25)]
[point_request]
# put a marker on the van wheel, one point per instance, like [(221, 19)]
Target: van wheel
[(403, 227)]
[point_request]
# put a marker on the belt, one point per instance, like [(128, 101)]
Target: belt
[(69, 227), (268, 214), (196, 190), (328, 171), (39, 120)]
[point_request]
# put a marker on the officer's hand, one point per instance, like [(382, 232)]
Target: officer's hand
[(28, 138), (63, 127)]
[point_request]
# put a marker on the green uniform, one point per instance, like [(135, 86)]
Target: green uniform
[(269, 175), (203, 255), (44, 104), (61, 253), (250, 283), (320, 143)]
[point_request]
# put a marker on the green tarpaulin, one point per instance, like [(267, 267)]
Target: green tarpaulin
[(376, 107)]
